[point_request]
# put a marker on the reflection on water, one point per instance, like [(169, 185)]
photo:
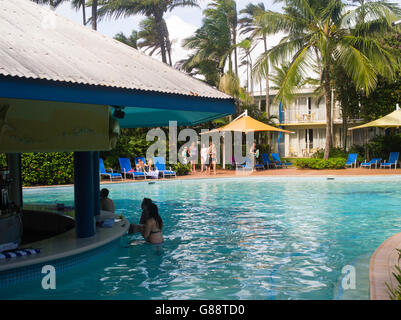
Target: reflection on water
[(234, 239)]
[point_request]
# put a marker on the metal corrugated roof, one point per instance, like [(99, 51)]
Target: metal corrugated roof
[(37, 43)]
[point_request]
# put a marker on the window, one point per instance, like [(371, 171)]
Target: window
[(309, 105)]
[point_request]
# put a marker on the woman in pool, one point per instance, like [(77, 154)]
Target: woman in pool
[(150, 224)]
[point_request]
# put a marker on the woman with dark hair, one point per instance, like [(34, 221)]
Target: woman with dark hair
[(150, 224), (152, 230)]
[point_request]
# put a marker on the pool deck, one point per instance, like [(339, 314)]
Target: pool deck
[(66, 245), (285, 172), (381, 267)]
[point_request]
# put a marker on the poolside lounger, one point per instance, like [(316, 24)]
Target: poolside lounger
[(245, 166), (111, 175), (351, 162), (150, 173), (126, 169), (160, 165), (374, 161), (276, 159), (392, 161), (267, 162)]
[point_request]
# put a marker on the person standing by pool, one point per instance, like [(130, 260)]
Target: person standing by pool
[(252, 152), (204, 157), (193, 152), (106, 203), (212, 157)]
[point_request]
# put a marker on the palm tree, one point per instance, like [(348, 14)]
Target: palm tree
[(257, 30), (229, 8), (211, 47), (77, 5), (150, 8), (318, 33), (131, 41), (52, 3)]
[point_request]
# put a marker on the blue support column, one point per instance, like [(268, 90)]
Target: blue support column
[(84, 194), (96, 183)]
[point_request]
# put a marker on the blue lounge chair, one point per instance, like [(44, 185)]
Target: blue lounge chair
[(392, 161), (112, 175), (160, 165), (373, 162), (149, 173), (351, 162), (244, 166), (276, 159), (267, 162), (126, 169)]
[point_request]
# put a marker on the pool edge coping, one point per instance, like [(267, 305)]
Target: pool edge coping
[(381, 267)]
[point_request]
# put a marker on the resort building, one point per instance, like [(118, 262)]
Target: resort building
[(306, 117)]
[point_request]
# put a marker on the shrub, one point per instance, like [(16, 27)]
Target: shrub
[(381, 146), (312, 163), (45, 168), (181, 169), (395, 293)]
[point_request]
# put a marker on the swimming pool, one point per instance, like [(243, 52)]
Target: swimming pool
[(239, 238)]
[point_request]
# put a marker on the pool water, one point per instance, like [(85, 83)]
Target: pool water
[(240, 238)]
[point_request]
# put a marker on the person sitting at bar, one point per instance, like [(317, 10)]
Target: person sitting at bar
[(106, 203)]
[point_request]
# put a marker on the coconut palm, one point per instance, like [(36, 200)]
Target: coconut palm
[(52, 3), (150, 8), (229, 9), (257, 30), (80, 5), (318, 33), (131, 41), (210, 46)]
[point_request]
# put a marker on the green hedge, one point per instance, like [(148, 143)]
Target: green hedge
[(181, 169), (332, 163), (45, 168)]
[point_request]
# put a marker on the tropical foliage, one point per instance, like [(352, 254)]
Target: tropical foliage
[(332, 163), (324, 34), (153, 10), (45, 168), (346, 47)]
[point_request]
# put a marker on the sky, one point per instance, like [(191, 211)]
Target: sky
[(181, 23)]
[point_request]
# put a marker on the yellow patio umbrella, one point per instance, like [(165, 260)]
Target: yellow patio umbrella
[(389, 121), (245, 123)]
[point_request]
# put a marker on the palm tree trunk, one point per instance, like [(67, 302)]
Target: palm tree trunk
[(169, 55), (327, 95), (345, 128), (235, 52), (267, 82), (94, 14), (83, 12), (160, 31)]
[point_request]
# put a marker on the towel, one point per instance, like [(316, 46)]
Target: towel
[(19, 253), (108, 223)]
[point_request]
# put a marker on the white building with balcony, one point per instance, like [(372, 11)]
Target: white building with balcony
[(306, 117)]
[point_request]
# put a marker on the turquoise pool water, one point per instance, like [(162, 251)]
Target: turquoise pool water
[(247, 238)]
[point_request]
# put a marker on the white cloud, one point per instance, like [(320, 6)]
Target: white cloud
[(178, 31)]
